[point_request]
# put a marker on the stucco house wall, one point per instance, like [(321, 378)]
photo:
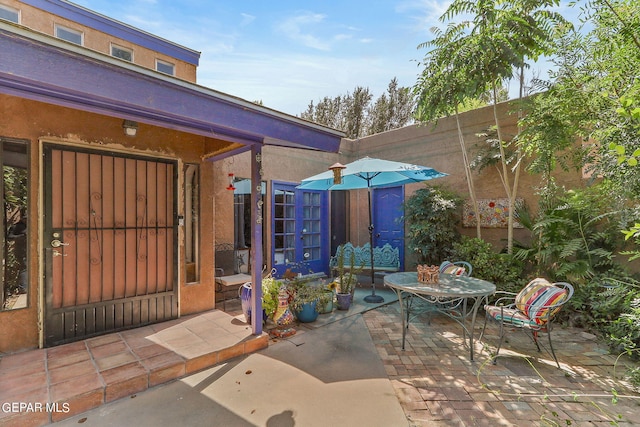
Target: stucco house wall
[(44, 21), (39, 123)]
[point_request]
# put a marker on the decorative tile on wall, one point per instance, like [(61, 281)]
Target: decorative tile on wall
[(494, 213)]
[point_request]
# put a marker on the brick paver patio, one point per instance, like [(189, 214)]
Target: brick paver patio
[(437, 385)]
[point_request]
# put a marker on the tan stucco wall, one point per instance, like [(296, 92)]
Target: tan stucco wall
[(36, 122), (434, 146), (438, 147)]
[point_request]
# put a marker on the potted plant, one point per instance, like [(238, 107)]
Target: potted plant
[(305, 303), (346, 279), (327, 295), (270, 290)]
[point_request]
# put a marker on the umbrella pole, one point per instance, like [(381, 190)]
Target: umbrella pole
[(373, 298)]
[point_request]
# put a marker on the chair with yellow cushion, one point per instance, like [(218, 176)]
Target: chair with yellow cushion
[(533, 310)]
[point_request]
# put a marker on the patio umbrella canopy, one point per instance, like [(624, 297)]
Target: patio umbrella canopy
[(371, 173)]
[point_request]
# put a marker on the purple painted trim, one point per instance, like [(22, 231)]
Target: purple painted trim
[(115, 28), (257, 220), (36, 70)]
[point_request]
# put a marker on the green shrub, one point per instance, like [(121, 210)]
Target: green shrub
[(574, 237), (502, 269), (432, 216)]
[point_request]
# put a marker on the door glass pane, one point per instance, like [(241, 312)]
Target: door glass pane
[(291, 226), (311, 214), (15, 274), (285, 228)]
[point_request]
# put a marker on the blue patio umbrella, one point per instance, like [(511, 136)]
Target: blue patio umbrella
[(371, 173)]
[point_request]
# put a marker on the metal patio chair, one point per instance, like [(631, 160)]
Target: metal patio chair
[(532, 310), (459, 268)]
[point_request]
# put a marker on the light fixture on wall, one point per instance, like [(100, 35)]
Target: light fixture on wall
[(231, 186), (130, 127), (337, 172)]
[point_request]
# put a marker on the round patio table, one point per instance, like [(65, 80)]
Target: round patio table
[(449, 296)]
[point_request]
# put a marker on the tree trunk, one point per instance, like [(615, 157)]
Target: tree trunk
[(467, 171)]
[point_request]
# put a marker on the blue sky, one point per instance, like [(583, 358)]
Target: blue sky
[(288, 53)]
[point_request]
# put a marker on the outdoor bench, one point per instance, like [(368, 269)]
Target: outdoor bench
[(385, 258)]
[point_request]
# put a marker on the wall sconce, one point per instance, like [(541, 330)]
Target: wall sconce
[(130, 127), (231, 186), (337, 172)]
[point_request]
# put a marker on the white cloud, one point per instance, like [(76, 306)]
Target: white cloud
[(297, 29), (246, 19)]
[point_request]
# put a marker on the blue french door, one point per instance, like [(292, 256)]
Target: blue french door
[(300, 229), (387, 218)]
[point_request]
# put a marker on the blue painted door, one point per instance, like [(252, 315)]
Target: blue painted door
[(300, 231), (387, 218)]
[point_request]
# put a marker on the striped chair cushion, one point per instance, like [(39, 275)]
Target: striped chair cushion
[(512, 316), (535, 299), (450, 268)]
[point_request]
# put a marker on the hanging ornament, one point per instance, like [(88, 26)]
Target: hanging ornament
[(231, 186)]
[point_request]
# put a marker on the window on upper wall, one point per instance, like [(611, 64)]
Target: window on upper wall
[(9, 14), (122, 52), (165, 67), (14, 161), (69, 35)]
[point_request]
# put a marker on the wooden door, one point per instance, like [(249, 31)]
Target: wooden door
[(300, 229), (110, 242), (387, 217)]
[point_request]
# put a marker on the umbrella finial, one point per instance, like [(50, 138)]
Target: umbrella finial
[(337, 172)]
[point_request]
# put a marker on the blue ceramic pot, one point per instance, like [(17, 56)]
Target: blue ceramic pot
[(245, 300), (308, 313)]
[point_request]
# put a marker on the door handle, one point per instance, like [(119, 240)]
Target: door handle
[(57, 243)]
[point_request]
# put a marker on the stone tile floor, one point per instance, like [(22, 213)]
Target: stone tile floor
[(83, 375), (437, 385)]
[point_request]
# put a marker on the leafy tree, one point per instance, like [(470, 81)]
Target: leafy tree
[(355, 109), (474, 56), (392, 110), (593, 95), (358, 115), (328, 111)]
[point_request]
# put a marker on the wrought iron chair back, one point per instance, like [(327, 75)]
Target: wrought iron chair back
[(533, 310)]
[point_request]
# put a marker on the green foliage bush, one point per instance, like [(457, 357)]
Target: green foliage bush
[(502, 269), (574, 239), (432, 216)]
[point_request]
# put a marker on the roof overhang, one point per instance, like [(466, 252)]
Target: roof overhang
[(45, 69)]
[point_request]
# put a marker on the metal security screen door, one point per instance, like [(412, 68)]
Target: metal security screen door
[(300, 229), (110, 236)]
